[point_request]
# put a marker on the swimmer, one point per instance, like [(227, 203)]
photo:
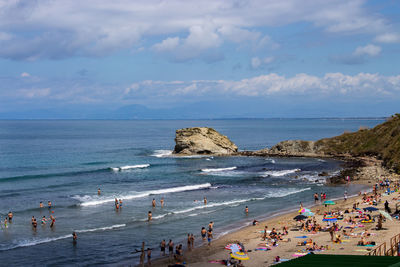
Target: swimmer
[(44, 220), (49, 204), (149, 256), (10, 216), (203, 233), (149, 216), (98, 191), (153, 203), (5, 222), (205, 201), (246, 210), (34, 222), (74, 238), (116, 202), (120, 203), (162, 202), (41, 204)]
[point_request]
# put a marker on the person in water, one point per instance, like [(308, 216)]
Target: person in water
[(5, 222), (211, 225), (170, 248), (192, 240), (162, 202), (53, 221), (120, 203), (98, 191), (148, 256), (49, 204), (205, 201), (44, 220), (246, 210), (149, 216), (74, 238), (209, 236), (10, 216), (34, 222), (41, 204), (203, 233), (153, 203), (162, 246)]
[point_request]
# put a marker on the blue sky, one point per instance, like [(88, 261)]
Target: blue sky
[(199, 59)]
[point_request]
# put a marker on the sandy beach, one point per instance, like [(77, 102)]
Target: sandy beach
[(251, 236)]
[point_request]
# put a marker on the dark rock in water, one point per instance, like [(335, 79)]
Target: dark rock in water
[(323, 174), (202, 141)]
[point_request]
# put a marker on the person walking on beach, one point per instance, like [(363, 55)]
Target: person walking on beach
[(315, 197), (265, 233), (332, 231), (162, 202), (149, 216), (345, 195), (162, 246), (153, 203)]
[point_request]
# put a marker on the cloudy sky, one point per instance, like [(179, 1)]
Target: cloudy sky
[(199, 59)]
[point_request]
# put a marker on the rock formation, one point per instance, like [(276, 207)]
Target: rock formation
[(203, 141)]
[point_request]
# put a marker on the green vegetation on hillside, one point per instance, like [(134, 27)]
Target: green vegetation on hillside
[(382, 141)]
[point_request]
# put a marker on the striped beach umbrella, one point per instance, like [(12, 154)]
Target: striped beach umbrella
[(233, 247)]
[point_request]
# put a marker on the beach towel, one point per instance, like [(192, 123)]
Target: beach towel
[(263, 249), (299, 254), (303, 236), (218, 261), (369, 245)]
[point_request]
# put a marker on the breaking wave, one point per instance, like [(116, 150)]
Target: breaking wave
[(219, 169), (279, 173), (129, 167)]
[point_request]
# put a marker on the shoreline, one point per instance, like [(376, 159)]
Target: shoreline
[(200, 255)]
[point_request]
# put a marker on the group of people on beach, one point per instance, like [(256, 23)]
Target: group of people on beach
[(316, 197)]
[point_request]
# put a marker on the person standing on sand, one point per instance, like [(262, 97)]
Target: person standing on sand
[(162, 246), (332, 231), (162, 202), (265, 233), (345, 195), (315, 197)]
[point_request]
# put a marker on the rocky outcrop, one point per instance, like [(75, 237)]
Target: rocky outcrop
[(296, 148), (203, 141)]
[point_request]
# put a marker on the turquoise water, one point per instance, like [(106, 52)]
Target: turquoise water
[(66, 161)]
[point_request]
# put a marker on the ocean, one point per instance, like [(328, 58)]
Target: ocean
[(65, 162)]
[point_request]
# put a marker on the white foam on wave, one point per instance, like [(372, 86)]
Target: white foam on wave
[(129, 167), (286, 192), (162, 153), (219, 169), (34, 242), (93, 201), (271, 160), (279, 173)]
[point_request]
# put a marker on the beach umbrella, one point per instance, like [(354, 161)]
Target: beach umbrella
[(233, 247), (240, 256), (302, 210), (308, 214), (386, 215), (370, 209), (300, 217)]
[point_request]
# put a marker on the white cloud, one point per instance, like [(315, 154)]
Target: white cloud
[(369, 50), (388, 38), (62, 29), (25, 74), (331, 84), (257, 62), (166, 45)]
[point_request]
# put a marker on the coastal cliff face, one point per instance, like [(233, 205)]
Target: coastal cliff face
[(203, 141)]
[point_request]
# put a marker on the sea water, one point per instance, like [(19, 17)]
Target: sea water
[(65, 162)]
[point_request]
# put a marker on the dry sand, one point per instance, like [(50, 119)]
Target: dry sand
[(251, 236)]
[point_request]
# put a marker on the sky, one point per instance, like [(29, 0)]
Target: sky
[(126, 59)]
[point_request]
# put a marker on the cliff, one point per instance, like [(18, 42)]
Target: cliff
[(202, 140)]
